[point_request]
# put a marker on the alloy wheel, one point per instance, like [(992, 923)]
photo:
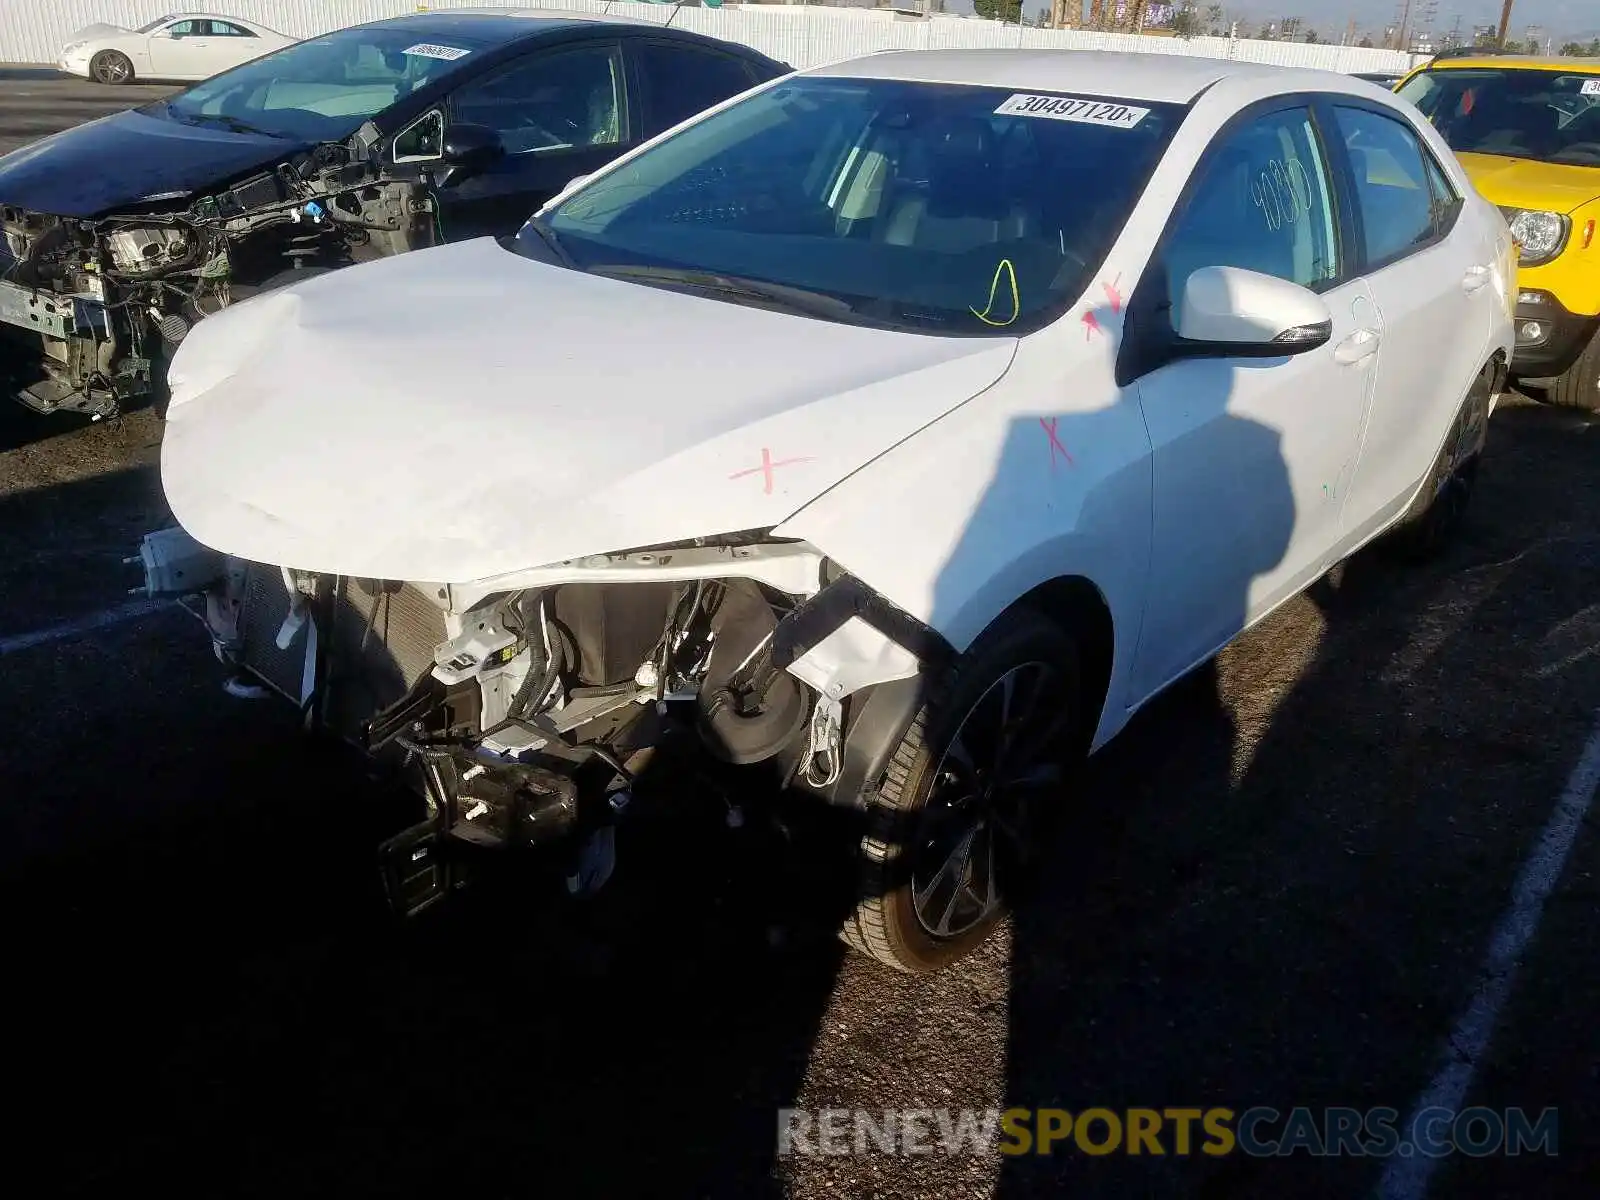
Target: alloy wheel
[(980, 813)]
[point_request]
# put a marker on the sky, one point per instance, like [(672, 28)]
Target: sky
[(1556, 16), (1560, 19)]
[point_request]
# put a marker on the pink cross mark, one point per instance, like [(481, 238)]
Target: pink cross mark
[(768, 465), (1091, 326), (1048, 424)]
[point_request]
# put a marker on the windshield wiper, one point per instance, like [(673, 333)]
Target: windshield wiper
[(551, 241), (798, 299), (233, 123)]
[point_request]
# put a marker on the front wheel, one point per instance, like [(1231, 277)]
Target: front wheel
[(111, 67), (1580, 386), (958, 821)]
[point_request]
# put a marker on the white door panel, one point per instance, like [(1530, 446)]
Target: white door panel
[(1435, 333), (1252, 457), (1436, 304), (1251, 461)]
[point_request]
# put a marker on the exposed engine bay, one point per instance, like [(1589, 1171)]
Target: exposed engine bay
[(525, 715), (104, 301)]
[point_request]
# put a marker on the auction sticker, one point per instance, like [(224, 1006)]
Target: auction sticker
[(1591, 87), (429, 50), (1069, 108)]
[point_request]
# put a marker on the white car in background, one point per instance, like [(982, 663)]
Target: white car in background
[(178, 46), (890, 432)]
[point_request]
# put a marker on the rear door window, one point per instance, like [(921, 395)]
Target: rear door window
[(681, 80)]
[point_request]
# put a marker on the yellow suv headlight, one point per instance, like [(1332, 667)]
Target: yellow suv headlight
[(1542, 235)]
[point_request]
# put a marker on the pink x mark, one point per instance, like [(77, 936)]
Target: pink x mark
[(1048, 424), (768, 465)]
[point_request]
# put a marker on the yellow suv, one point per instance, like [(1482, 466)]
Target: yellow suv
[(1527, 130)]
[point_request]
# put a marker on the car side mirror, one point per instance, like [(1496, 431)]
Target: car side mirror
[(1228, 312), (467, 150)]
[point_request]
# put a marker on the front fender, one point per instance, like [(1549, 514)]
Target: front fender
[(957, 523)]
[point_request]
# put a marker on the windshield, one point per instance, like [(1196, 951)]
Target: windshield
[(937, 208), (1545, 115), (321, 89), (151, 26)]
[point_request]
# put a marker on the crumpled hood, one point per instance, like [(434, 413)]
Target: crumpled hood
[(119, 160), (462, 412), (1524, 183)]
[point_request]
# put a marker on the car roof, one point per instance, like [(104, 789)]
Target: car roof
[(500, 25), (1523, 62), (1158, 78)]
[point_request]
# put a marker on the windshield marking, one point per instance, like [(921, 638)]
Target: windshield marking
[(1005, 268), (1112, 294), (430, 50), (1070, 108)]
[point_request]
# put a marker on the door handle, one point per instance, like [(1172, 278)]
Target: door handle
[(1361, 344), (1474, 279)]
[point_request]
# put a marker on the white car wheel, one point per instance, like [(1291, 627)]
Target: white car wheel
[(112, 67)]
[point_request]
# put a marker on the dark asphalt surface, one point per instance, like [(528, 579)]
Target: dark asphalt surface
[(1275, 889)]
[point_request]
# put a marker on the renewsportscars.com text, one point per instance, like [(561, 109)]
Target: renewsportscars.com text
[(1258, 1132)]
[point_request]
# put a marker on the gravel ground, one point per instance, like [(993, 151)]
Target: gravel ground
[(1275, 889)]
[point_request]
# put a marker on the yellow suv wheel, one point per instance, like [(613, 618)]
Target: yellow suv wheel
[(1580, 386)]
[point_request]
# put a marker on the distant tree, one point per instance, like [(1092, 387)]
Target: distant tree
[(1267, 32), (1572, 50), (1365, 43), (1593, 49), (1313, 37), (1008, 11), (1217, 19), (1186, 23)]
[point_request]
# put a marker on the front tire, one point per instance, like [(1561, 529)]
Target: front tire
[(111, 67), (958, 820), (1580, 386)]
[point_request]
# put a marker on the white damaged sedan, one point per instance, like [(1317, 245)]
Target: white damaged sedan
[(894, 431)]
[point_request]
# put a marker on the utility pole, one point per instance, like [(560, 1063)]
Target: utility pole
[(1405, 26), (1505, 22)]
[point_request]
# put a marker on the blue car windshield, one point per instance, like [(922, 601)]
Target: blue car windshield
[(321, 89), (944, 209)]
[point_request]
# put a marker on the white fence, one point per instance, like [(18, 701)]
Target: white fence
[(32, 31)]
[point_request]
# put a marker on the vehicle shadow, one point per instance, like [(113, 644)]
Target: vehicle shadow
[(1286, 884), (1265, 901)]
